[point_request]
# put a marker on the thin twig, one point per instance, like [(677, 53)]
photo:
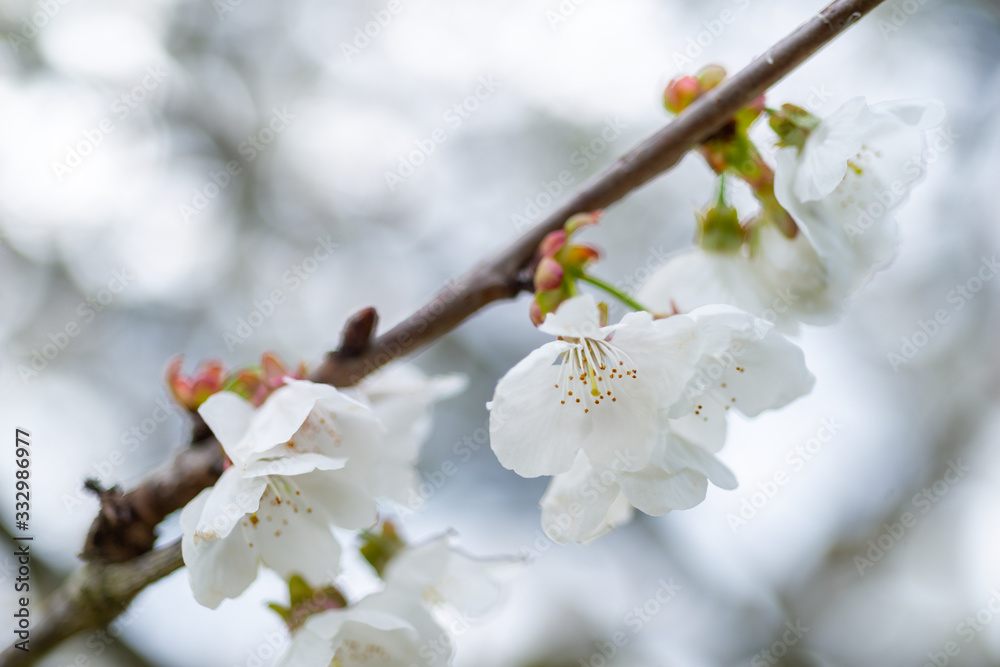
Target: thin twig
[(92, 597)]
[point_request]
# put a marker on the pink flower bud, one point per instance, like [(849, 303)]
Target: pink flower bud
[(191, 391), (711, 76), (581, 220), (273, 371), (210, 376), (535, 312), (680, 93), (552, 243), (179, 385), (548, 275)]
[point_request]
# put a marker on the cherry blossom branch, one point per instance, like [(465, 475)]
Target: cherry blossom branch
[(505, 276), (118, 545)]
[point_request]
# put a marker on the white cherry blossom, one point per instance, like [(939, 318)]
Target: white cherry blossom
[(444, 576), (845, 185), (310, 457), (740, 363), (291, 479), (390, 628), (397, 626), (768, 285), (843, 189), (594, 388)]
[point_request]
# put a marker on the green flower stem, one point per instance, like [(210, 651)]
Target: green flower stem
[(613, 291)]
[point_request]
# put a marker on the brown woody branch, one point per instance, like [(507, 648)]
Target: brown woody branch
[(120, 563)]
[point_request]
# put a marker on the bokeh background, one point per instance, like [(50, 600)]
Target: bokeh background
[(118, 216)]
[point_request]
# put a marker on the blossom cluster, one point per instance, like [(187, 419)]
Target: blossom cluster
[(623, 417), (301, 460), (631, 416)]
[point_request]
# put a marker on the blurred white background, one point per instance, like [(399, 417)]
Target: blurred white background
[(166, 166)]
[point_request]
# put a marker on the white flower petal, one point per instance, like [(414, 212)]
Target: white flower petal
[(773, 375), (756, 370), (277, 420), (229, 416), (698, 278), (217, 568), (528, 432), (338, 497), (705, 424), (330, 624), (575, 507), (388, 628), (294, 464), (625, 431), (419, 567), (288, 539), (307, 650), (679, 454), (794, 280), (468, 585), (576, 318), (225, 504), (823, 161), (922, 114), (656, 492), (349, 430), (289, 408), (402, 398), (357, 637)]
